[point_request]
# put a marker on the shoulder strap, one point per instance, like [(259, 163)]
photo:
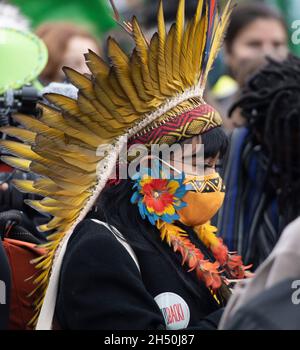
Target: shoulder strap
[(121, 240)]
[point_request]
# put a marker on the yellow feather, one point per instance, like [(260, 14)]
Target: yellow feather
[(70, 185), (114, 82), (173, 83), (96, 65), (121, 62), (199, 46), (31, 123), (113, 118), (169, 49), (90, 117), (90, 167), (219, 33), (45, 262), (19, 133), (153, 62), (142, 51), (198, 13), (70, 149), (67, 174), (112, 87), (27, 186), (108, 91), (84, 84), (127, 109), (50, 186), (21, 164), (187, 75), (62, 211), (72, 202), (189, 60), (161, 62), (96, 92), (71, 107), (56, 158), (105, 85), (137, 78), (53, 203), (178, 40), (67, 125), (92, 141), (108, 110), (54, 223), (42, 277), (67, 186), (55, 120), (19, 149), (65, 103)]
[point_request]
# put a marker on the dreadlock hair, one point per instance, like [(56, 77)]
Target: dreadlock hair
[(270, 102)]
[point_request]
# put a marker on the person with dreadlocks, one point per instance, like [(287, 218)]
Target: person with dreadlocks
[(250, 220), (270, 299), (135, 253)]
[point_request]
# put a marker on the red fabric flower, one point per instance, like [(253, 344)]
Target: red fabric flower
[(157, 195)]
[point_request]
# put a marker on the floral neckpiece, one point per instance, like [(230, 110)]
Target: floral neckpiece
[(158, 200)]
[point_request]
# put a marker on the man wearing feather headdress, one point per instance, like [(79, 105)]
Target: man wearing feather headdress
[(134, 253)]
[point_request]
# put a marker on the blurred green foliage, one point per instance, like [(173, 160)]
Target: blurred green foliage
[(93, 14)]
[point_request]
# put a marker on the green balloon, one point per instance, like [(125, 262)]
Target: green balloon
[(23, 56)]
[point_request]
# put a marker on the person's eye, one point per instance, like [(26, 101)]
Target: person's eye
[(254, 44), (278, 44)]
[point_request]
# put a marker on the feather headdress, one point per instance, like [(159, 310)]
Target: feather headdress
[(140, 97)]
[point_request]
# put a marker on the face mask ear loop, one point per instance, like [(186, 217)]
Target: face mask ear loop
[(169, 165)]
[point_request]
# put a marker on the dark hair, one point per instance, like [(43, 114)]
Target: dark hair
[(215, 141), (270, 102), (170, 10), (113, 206), (244, 15)]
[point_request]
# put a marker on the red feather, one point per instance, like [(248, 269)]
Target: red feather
[(212, 12)]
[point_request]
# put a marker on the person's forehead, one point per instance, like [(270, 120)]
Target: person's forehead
[(80, 44), (263, 28)]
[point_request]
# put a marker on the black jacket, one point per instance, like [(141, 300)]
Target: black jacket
[(102, 288)]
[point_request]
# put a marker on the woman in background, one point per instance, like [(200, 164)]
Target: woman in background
[(66, 44), (256, 30)]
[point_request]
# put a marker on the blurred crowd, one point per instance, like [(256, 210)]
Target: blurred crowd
[(255, 85)]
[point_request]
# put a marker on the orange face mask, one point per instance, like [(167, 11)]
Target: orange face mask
[(204, 197)]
